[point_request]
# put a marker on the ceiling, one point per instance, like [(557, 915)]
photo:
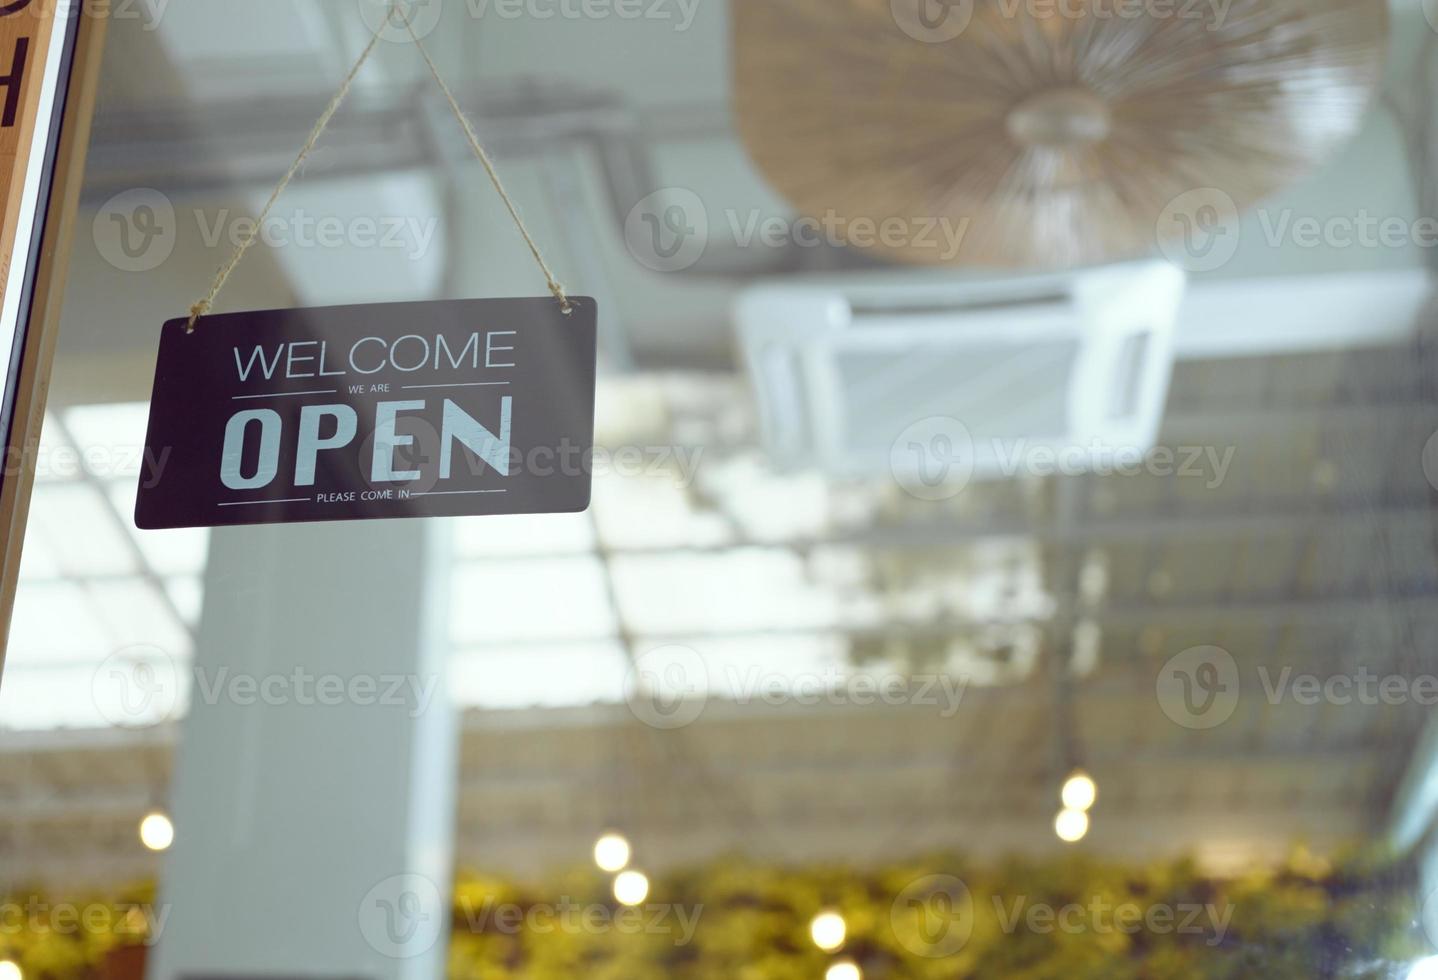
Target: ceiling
[(207, 105), (1063, 596)]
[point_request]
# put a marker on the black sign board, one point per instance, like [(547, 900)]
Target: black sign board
[(435, 409)]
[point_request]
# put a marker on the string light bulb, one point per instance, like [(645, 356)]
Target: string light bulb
[(157, 832), (612, 852), (10, 970), (1080, 791), (828, 930), (1071, 825), (631, 888), (844, 970)]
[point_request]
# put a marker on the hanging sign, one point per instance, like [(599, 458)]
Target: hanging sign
[(450, 408)]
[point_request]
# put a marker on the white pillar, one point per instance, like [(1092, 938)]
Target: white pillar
[(313, 796)]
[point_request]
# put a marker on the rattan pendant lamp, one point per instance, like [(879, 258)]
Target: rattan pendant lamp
[(1056, 131)]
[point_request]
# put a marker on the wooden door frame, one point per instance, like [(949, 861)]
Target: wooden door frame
[(38, 321)]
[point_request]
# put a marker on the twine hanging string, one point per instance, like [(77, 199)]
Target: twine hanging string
[(554, 286), (203, 306)]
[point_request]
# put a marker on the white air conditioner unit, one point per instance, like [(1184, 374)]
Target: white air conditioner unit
[(1075, 364)]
